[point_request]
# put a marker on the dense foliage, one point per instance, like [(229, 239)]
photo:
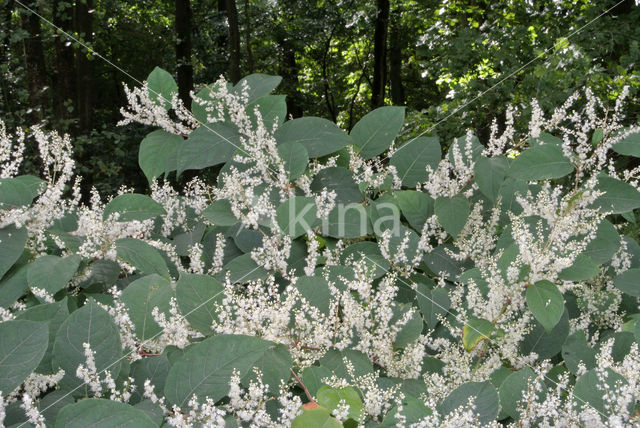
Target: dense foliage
[(314, 277), (431, 56)]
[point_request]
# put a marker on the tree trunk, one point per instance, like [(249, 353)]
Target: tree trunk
[(5, 53), (183, 51), (35, 65), (84, 66), (247, 36), (234, 41), (64, 75), (380, 53), (395, 59)]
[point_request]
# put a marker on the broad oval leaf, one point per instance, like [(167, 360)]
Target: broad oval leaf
[(541, 162), (319, 136), (489, 174), (141, 297), (219, 213), (486, 400), (315, 416), (296, 216), (208, 145), (145, 258), (162, 87), (99, 412), (452, 213), (12, 242), (157, 154), (93, 325), (474, 331), (272, 109), (196, 372), (415, 206), (411, 160), (629, 282), (256, 86), (546, 303), (339, 180), (52, 273), (619, 197), (22, 345), (374, 133), (197, 296), (295, 158), (628, 145), (513, 389), (315, 290), (133, 206), (331, 397)]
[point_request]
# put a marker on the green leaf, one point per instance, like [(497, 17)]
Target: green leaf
[(295, 158), (272, 109), (452, 213), (13, 286), (546, 303), (474, 331), (154, 368), (161, 87), (619, 197), (314, 416), (93, 325), (243, 269), (416, 207), (412, 159), (258, 84), (629, 282), (52, 273), (583, 268), (589, 389), (432, 303), (489, 174), (629, 145), (207, 146), (52, 313), (157, 154), (370, 253), (374, 133), (13, 194), (219, 213), (142, 256), (576, 350), (409, 332), (197, 296), (196, 372), (12, 242), (604, 245), (22, 346), (330, 398), (296, 215), (413, 411), (513, 389), (319, 136), (315, 290), (102, 413), (546, 345), (486, 400), (133, 206), (541, 162), (140, 297), (341, 181)]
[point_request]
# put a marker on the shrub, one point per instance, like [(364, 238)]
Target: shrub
[(375, 280)]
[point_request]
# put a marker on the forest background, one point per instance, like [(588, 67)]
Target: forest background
[(455, 64)]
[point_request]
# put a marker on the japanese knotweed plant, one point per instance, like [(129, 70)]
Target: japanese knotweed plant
[(324, 278)]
